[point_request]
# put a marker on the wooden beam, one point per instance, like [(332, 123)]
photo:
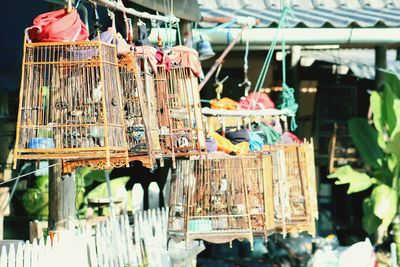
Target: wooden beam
[(380, 63), (61, 199)]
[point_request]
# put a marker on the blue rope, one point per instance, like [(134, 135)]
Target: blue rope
[(268, 59), (289, 102), (288, 99), (222, 26)]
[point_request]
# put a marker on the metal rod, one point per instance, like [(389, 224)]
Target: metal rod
[(120, 7), (220, 59)]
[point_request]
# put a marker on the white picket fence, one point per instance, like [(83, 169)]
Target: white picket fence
[(113, 243)]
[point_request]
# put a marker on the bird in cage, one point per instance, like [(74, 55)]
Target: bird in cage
[(97, 92), (223, 184), (97, 133), (72, 138), (137, 132)]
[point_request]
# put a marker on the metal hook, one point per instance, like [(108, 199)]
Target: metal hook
[(247, 85), (112, 17), (219, 85), (69, 6), (96, 26), (140, 22)]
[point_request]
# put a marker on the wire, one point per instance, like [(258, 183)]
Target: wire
[(29, 173), (179, 33), (267, 62), (5, 204)]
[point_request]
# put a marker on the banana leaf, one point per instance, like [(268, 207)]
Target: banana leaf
[(365, 138)]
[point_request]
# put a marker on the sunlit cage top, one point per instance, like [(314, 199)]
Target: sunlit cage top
[(179, 105), (210, 200), (294, 188), (139, 99), (70, 104)]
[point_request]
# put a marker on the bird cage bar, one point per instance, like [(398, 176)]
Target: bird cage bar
[(311, 174), (211, 201), (141, 126), (66, 98), (293, 209), (179, 112), (280, 187), (258, 174), (150, 101), (164, 118)]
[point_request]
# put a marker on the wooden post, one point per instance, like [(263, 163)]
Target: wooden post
[(380, 63), (61, 198), (4, 208), (295, 56)]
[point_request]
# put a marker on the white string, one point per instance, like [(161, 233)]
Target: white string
[(29, 173)]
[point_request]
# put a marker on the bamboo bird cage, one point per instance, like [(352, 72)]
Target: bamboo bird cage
[(70, 105), (294, 188), (164, 118), (210, 200), (179, 111), (142, 129), (258, 175)]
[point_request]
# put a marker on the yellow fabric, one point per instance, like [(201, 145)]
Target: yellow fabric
[(226, 146), (224, 103)]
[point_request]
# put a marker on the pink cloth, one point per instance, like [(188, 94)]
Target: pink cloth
[(58, 26), (186, 57), (289, 138), (150, 53), (163, 59), (263, 102)]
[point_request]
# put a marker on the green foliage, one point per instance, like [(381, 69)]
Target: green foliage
[(365, 138), (35, 200), (384, 203), (101, 190), (370, 221), (379, 147), (89, 176), (357, 181)]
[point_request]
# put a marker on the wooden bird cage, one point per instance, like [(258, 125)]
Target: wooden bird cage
[(139, 100), (258, 170), (70, 105), (180, 112), (295, 202), (210, 200), (308, 152)]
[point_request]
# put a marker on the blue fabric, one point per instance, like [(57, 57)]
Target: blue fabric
[(256, 142), (235, 136), (266, 133)]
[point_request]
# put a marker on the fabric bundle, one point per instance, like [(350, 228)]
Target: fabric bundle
[(224, 103), (58, 26), (224, 145), (187, 58), (266, 133), (256, 101)]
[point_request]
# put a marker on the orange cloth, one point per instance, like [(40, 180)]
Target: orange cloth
[(224, 103), (226, 146), (129, 60), (58, 26), (186, 57)]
